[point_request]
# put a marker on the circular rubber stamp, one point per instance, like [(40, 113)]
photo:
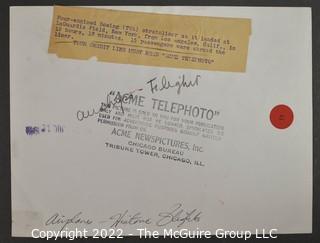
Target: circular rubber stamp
[(281, 116)]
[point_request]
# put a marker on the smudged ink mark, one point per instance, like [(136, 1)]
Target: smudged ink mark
[(45, 128), (32, 130)]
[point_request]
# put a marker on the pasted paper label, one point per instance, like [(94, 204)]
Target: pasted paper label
[(150, 39)]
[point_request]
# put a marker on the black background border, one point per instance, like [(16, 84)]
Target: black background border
[(5, 178)]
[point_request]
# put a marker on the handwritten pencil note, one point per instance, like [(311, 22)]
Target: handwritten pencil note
[(150, 39)]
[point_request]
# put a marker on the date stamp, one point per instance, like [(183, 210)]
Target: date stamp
[(33, 130)]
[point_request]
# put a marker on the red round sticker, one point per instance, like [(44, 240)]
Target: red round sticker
[(281, 116)]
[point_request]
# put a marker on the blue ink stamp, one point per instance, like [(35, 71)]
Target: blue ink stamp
[(45, 128), (32, 130)]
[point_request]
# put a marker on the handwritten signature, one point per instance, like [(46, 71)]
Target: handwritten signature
[(178, 215), (175, 215), (157, 85), (60, 219), (114, 99), (125, 218)]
